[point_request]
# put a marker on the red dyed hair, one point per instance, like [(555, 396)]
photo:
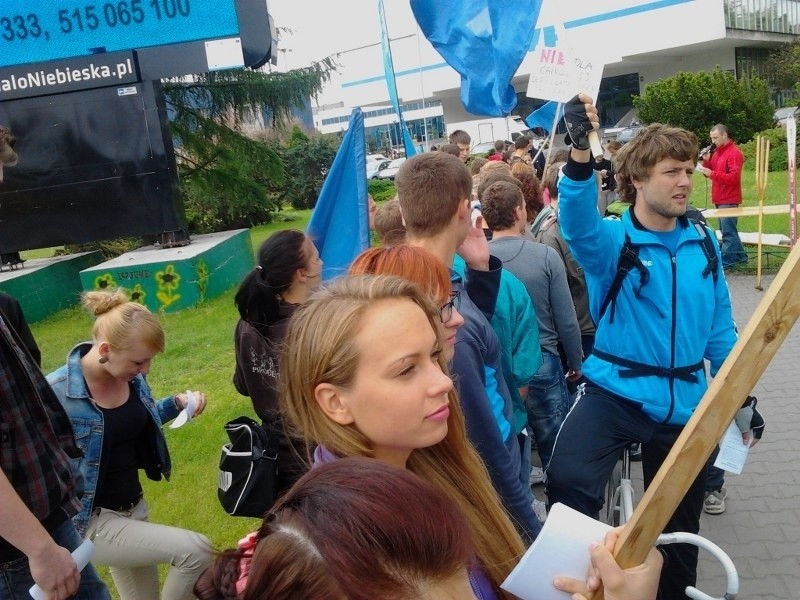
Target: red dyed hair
[(417, 265)]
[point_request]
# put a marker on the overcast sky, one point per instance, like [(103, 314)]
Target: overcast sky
[(321, 28)]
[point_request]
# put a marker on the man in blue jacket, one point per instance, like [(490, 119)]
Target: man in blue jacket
[(671, 312)]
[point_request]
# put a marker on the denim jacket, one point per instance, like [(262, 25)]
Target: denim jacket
[(87, 421)]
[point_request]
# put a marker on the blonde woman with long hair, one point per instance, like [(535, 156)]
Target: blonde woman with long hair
[(365, 374)]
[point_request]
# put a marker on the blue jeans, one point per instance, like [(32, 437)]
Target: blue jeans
[(731, 247), (548, 403), (525, 471), (15, 576), (716, 476)]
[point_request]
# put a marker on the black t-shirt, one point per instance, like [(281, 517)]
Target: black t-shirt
[(118, 481)]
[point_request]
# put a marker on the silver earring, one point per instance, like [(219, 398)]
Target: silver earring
[(103, 360)]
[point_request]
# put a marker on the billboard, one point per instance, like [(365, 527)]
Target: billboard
[(40, 30), (168, 38), (91, 164)]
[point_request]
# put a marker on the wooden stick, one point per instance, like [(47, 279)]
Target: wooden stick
[(757, 345), (594, 144), (760, 185)]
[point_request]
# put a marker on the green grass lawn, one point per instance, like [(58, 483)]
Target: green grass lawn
[(777, 192), (199, 355)]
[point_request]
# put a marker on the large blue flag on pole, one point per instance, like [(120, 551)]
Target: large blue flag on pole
[(339, 225), (391, 83), (485, 41)]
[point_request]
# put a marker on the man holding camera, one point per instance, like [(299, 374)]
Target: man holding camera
[(722, 164)]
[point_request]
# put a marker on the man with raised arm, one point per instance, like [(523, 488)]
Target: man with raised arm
[(662, 307)]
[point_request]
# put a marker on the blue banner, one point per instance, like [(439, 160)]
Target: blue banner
[(545, 116), (339, 224), (485, 41)]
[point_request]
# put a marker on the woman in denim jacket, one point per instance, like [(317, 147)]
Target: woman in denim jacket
[(117, 425)]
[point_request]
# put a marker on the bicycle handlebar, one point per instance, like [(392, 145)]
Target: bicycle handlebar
[(731, 574)]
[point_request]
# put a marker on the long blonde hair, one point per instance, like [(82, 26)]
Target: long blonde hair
[(321, 349)]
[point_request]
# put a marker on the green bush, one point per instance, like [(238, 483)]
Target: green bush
[(108, 248), (778, 158), (381, 189), (306, 161), (698, 101)]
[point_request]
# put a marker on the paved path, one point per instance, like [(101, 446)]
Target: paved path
[(760, 529)]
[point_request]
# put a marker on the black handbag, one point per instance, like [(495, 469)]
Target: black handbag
[(248, 469)]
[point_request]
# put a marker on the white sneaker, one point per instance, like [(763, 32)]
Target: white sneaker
[(537, 475), (539, 509), (714, 504)]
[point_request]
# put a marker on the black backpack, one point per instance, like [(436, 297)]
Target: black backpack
[(248, 469), (629, 260)]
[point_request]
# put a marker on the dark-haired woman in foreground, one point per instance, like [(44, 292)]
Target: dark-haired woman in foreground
[(355, 529)]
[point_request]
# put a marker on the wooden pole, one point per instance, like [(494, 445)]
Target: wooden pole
[(757, 345), (762, 169)]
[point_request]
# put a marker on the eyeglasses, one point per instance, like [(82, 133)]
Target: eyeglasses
[(446, 311)]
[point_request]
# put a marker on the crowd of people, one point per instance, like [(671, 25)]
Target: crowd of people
[(493, 329)]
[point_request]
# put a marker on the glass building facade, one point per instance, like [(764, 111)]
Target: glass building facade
[(769, 16), (388, 135)]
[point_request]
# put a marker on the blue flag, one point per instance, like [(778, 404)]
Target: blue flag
[(391, 83), (485, 41), (339, 225), (545, 115)]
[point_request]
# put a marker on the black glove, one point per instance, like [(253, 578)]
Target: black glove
[(749, 419), (578, 124)]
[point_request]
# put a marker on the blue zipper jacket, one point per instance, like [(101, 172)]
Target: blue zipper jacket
[(489, 412), (514, 320), (87, 421), (676, 319)]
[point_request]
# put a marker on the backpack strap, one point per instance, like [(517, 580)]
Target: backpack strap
[(628, 260), (712, 264)]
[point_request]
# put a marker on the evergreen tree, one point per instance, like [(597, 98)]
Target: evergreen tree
[(230, 180)]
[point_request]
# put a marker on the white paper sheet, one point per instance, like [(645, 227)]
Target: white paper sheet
[(562, 549), (187, 413), (732, 451)]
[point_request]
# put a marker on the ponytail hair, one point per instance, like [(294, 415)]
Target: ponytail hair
[(259, 296)]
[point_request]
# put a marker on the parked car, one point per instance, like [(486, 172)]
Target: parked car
[(391, 169), (376, 167), (782, 114), (627, 134)]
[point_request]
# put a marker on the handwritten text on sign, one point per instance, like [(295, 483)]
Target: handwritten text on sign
[(559, 73)]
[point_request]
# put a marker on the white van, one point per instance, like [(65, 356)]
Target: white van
[(489, 130)]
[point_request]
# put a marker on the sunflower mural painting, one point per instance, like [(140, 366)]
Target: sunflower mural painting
[(105, 282), (138, 294), (201, 269), (168, 282)]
